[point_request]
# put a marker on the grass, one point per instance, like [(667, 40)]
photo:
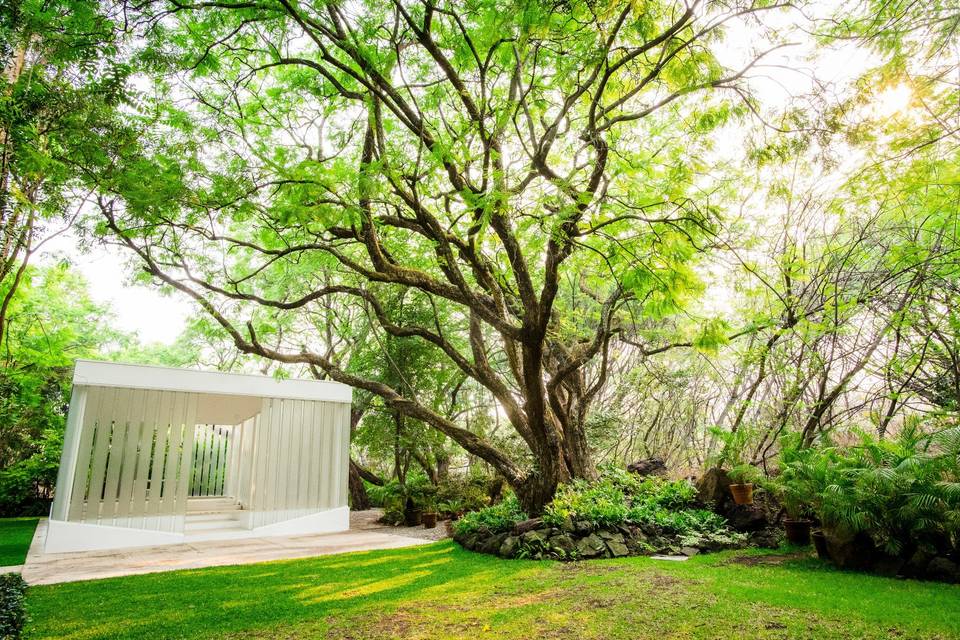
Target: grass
[(15, 537), (441, 591)]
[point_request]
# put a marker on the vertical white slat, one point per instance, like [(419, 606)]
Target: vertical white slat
[(130, 457), (162, 425), (101, 447), (69, 456), (274, 461), (326, 458), (291, 469), (148, 436), (264, 467), (306, 457), (313, 453), (233, 472), (81, 471), (256, 473), (225, 453), (343, 454), (246, 465), (190, 422), (174, 440), (217, 462), (108, 510)]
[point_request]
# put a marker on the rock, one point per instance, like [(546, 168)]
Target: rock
[(591, 546), (533, 537), (713, 488), (492, 544), (606, 534), (469, 541), (746, 517), (916, 565), (888, 566), (851, 552), (567, 525), (689, 551), (527, 525), (617, 548), (564, 544), (509, 547), (767, 538), (941, 568), (583, 527), (648, 467)]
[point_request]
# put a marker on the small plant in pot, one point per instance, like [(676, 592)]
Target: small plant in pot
[(429, 515), (743, 477)]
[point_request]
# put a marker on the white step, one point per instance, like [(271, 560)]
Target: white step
[(201, 531), (213, 516), (212, 525)]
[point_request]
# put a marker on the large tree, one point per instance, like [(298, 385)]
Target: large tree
[(535, 168)]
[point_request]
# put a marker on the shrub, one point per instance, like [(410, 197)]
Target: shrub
[(603, 504), (498, 518), (901, 492), (12, 615), (456, 496)]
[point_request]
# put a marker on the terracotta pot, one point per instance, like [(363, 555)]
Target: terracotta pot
[(448, 524), (820, 542), (798, 531), (429, 520), (742, 493)]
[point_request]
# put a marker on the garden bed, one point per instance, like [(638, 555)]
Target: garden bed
[(619, 515)]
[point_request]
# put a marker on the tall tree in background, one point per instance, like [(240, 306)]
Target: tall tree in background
[(536, 167), (59, 84)]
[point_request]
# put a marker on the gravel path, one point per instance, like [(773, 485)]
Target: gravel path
[(367, 521)]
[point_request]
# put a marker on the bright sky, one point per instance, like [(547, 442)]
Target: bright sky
[(144, 310)]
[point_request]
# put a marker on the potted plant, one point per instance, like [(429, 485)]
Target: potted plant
[(743, 476), (794, 490), (429, 515)]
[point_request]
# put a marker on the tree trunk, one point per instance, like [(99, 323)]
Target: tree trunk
[(359, 500)]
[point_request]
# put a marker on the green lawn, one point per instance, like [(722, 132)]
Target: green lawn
[(15, 537), (441, 591)]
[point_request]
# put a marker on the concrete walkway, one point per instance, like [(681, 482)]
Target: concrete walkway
[(51, 568)]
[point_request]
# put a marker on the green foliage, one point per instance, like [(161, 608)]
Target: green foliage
[(456, 496), (497, 518), (12, 614), (901, 492), (620, 497), (52, 321)]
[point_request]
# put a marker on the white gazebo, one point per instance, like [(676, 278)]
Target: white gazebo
[(154, 455)]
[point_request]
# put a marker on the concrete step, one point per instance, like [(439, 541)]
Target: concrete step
[(207, 505), (213, 516), (216, 532), (212, 525)]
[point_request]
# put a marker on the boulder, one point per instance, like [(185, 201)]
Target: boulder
[(583, 527), (746, 517), (648, 467), (492, 544), (689, 551), (916, 565), (509, 546), (941, 568), (527, 525), (564, 544), (617, 548), (591, 546), (534, 537), (713, 488), (851, 552)]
